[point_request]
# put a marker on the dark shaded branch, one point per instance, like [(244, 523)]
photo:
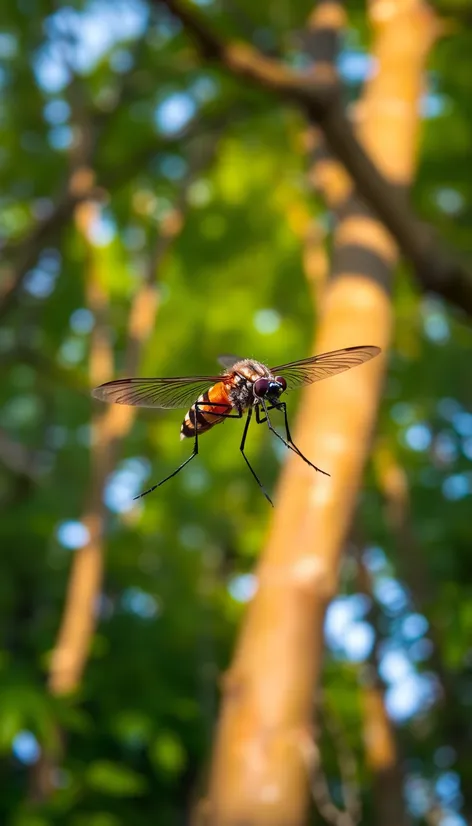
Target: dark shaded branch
[(315, 89), (321, 38), (317, 94), (436, 269)]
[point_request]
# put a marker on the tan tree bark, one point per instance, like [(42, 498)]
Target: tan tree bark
[(382, 753), (110, 425), (264, 749)]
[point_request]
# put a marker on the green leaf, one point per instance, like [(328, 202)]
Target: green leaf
[(11, 722), (167, 753), (29, 819), (96, 819), (114, 779)]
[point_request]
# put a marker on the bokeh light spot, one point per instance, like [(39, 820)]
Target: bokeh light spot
[(26, 748), (72, 534), (267, 321), (242, 587), (174, 113)]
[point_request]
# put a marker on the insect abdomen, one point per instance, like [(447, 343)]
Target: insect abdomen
[(203, 414)]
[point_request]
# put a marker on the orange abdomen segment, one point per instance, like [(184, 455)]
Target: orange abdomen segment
[(207, 411), (217, 395)]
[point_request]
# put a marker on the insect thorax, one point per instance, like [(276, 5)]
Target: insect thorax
[(244, 374)]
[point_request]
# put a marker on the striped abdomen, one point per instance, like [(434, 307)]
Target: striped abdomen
[(203, 414)]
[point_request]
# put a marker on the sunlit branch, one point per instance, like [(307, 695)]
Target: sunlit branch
[(110, 426), (321, 40)]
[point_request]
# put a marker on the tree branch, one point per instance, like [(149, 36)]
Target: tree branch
[(110, 426), (317, 94), (315, 89)]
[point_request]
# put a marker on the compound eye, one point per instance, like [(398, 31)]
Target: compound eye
[(280, 380), (261, 387)]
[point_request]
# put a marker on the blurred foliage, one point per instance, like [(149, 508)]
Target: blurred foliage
[(123, 81)]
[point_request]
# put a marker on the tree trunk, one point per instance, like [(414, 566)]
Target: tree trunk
[(264, 752)]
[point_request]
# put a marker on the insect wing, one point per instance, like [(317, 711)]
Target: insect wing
[(228, 361), (166, 393), (315, 368)]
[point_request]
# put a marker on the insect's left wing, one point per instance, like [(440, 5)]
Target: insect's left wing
[(167, 393), (228, 361), (315, 368)]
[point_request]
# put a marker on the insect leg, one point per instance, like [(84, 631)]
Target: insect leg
[(267, 407), (175, 472), (288, 442), (238, 415), (266, 418), (283, 407), (241, 447), (261, 420), (195, 449)]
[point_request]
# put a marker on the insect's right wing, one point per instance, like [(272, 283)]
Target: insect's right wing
[(166, 393), (316, 368)]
